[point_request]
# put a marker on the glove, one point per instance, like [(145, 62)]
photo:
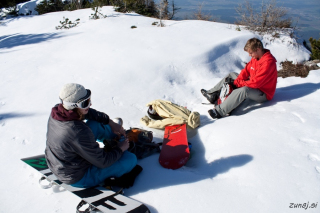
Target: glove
[(230, 81)]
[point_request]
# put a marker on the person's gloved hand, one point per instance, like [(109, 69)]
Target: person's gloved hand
[(230, 81)]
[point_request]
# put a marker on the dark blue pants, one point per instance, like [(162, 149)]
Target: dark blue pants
[(95, 175)]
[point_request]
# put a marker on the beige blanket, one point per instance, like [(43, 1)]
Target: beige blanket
[(173, 114)]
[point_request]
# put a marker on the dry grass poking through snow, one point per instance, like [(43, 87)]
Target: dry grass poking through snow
[(299, 70)]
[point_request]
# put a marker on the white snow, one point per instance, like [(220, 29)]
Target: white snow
[(261, 159)]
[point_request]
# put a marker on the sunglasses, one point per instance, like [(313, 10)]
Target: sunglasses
[(83, 104)]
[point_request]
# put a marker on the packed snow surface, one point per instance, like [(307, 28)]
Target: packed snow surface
[(261, 159)]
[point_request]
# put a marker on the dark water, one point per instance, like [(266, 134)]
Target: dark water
[(305, 13)]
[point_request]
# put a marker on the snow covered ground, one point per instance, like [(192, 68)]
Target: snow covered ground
[(261, 159)]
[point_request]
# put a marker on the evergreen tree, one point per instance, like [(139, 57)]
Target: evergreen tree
[(315, 48), (143, 7), (47, 6)]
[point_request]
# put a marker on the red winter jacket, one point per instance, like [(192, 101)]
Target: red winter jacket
[(260, 74)]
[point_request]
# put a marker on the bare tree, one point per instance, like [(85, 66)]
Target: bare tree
[(269, 19), (162, 11), (165, 12), (200, 16), (174, 10)]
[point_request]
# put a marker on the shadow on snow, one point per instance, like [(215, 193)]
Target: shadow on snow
[(14, 40), (221, 55), (154, 176), (197, 168), (282, 94), (4, 116)]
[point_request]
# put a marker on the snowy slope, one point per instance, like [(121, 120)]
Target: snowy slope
[(261, 159)]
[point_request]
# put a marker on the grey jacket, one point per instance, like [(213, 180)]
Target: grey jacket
[(71, 148)]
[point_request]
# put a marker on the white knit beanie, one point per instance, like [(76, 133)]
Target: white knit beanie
[(73, 93)]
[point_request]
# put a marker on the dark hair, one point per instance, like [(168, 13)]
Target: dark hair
[(253, 44), (81, 116)]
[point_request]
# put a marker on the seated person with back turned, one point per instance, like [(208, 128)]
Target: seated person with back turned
[(72, 152)]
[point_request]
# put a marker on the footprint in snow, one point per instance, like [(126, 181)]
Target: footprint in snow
[(313, 157), (116, 102), (310, 142), (318, 169), (25, 142), (299, 116), (139, 107)]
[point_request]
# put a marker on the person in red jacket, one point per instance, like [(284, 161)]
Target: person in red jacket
[(257, 81)]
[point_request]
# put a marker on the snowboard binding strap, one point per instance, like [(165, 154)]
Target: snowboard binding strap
[(89, 209)]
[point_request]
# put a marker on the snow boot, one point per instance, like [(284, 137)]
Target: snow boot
[(118, 121), (211, 97), (126, 180), (214, 114)]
